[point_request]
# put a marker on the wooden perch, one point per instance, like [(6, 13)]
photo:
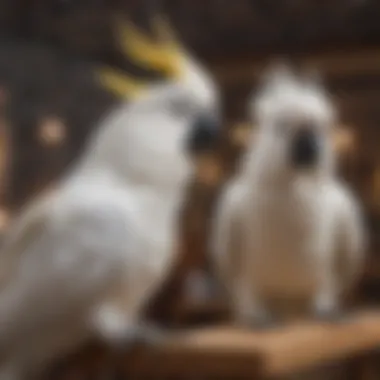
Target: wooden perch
[(227, 351)]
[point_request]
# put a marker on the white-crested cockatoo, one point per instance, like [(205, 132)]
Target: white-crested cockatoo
[(289, 236), (84, 260)]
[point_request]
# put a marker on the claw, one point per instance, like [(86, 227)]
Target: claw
[(258, 321), (331, 316), (264, 322), (150, 335)]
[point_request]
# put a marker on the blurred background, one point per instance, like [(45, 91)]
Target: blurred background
[(65, 63)]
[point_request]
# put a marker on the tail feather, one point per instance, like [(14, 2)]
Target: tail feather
[(29, 226), (26, 230)]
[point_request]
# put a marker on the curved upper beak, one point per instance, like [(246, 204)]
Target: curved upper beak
[(205, 133), (305, 148)]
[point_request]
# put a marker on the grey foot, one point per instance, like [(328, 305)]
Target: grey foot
[(142, 335), (332, 316), (264, 322), (150, 335)]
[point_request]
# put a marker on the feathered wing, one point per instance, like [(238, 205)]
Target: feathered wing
[(351, 241), (56, 260), (229, 253), (28, 225), (227, 237)]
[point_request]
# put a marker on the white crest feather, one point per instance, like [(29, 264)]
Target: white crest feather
[(199, 81), (280, 84)]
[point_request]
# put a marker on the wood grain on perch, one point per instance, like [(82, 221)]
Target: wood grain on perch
[(226, 351)]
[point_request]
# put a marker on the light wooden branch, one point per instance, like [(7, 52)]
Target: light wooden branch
[(223, 351)]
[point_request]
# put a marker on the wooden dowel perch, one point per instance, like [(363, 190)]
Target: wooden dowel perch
[(227, 351)]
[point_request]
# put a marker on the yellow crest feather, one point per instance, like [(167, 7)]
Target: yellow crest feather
[(119, 83), (164, 56)]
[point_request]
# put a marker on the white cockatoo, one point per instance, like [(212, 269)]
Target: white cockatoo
[(84, 259), (287, 230)]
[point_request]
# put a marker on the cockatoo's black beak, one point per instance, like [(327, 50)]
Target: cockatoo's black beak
[(205, 134), (305, 148)]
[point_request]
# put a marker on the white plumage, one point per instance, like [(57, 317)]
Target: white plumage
[(85, 259), (285, 233)]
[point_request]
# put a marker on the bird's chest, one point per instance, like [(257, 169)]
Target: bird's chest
[(157, 240), (284, 237), (281, 224)]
